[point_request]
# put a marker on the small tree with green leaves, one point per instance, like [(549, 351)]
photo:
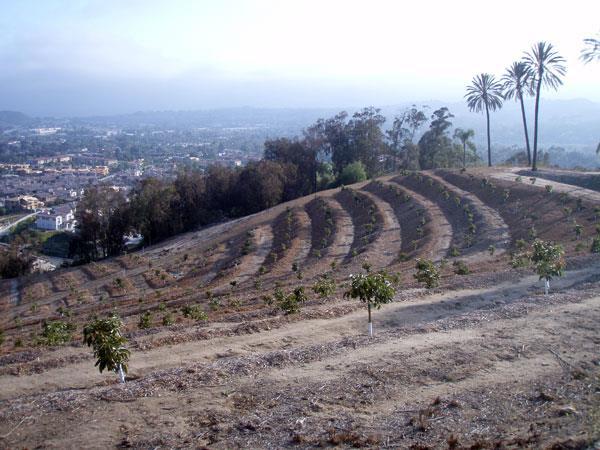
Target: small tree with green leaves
[(104, 336), (596, 245), (145, 321), (548, 259), (291, 302), (194, 312), (374, 289), (324, 286), (427, 273), (56, 332)]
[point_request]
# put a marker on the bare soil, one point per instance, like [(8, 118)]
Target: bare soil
[(484, 361)]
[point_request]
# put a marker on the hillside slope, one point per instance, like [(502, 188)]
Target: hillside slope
[(486, 359)]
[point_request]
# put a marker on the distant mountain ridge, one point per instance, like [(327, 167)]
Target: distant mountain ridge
[(573, 124)]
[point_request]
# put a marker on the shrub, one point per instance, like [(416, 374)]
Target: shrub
[(104, 336), (596, 245), (427, 273), (145, 321), (353, 173), (194, 312), (454, 251), (167, 319), (578, 229), (324, 286), (1, 337), (519, 260), (402, 256), (549, 188), (460, 268), (214, 303), (492, 250), (290, 303), (56, 333), (267, 300)]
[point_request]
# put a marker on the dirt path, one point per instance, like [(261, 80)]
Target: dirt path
[(575, 191), (494, 228)]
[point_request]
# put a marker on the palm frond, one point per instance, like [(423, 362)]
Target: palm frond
[(545, 64), (515, 81), (591, 50), (484, 91)]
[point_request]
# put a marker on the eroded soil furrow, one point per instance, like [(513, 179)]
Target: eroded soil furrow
[(443, 229), (493, 228)]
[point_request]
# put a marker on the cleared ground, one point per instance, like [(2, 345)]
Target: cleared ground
[(484, 361)]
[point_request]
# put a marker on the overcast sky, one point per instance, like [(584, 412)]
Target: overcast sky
[(105, 56)]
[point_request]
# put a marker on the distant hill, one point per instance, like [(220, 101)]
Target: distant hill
[(572, 124), (14, 119)]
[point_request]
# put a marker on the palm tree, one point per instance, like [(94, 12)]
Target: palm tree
[(464, 136), (485, 93), (547, 68), (591, 50), (515, 84)]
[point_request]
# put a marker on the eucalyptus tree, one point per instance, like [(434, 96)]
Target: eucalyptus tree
[(464, 136), (547, 68), (515, 85), (485, 93)]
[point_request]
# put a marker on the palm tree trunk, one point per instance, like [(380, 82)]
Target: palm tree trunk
[(535, 125), (464, 154), (487, 114), (525, 128)]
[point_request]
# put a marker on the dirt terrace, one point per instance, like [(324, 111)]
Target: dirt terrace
[(485, 361)]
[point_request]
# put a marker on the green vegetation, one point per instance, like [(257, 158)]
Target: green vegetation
[(291, 302), (145, 321), (56, 333), (460, 268), (548, 260), (427, 273), (324, 286), (194, 312), (374, 289), (353, 173), (105, 338)]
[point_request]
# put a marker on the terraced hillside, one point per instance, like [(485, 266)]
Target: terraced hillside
[(484, 360)]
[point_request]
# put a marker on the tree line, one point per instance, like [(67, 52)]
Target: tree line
[(339, 150)]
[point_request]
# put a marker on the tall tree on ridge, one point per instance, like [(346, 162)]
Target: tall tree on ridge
[(515, 85), (546, 67), (485, 93)]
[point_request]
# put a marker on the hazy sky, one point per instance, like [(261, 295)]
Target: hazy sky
[(105, 56)]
